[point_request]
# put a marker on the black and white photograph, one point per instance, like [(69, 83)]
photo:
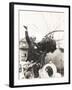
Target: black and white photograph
[(41, 44)]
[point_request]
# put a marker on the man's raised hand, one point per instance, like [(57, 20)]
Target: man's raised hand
[(25, 27)]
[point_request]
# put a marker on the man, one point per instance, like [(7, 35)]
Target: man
[(44, 46), (33, 53)]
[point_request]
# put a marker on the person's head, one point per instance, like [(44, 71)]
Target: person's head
[(28, 70), (49, 70), (47, 44), (33, 38)]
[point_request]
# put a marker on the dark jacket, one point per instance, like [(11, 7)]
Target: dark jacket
[(33, 54)]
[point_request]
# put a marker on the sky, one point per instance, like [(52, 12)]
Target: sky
[(40, 23)]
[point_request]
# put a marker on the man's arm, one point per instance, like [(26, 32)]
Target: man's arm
[(27, 36)]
